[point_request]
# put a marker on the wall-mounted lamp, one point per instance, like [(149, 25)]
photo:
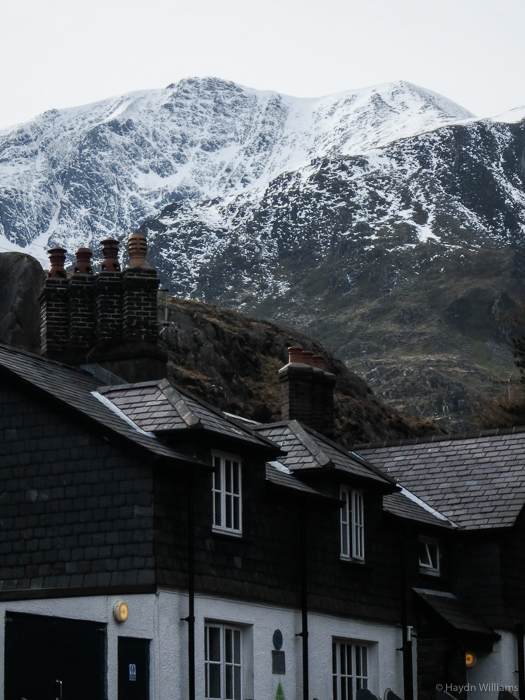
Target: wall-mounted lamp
[(120, 611), (470, 659)]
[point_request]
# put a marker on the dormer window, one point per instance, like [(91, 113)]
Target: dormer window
[(227, 495), (429, 556), (352, 525)]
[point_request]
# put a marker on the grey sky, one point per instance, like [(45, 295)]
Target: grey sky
[(62, 53)]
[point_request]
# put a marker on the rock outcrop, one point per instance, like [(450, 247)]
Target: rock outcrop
[(21, 278)]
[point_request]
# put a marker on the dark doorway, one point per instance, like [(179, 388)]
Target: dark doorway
[(53, 657), (133, 668)]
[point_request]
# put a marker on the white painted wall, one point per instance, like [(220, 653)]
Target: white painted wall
[(158, 617), (495, 670), (141, 622)]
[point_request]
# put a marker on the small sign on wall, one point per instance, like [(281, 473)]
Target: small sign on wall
[(132, 672), (278, 657), (278, 662)]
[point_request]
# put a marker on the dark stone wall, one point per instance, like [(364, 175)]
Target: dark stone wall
[(75, 510), (78, 511), (264, 564), (512, 547), (478, 579)]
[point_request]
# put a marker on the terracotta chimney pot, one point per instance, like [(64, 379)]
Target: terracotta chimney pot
[(110, 262), (295, 354), (57, 257), (318, 361), (83, 265), (307, 357), (137, 247)]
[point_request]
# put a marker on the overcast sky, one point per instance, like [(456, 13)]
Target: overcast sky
[(62, 53)]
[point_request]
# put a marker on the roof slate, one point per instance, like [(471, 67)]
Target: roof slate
[(401, 506), (280, 478), (159, 406), (76, 388), (306, 450), (451, 610), (476, 481)]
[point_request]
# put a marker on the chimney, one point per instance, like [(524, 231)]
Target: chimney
[(126, 306), (139, 294), (81, 302), (109, 319), (108, 294), (54, 307), (307, 391)]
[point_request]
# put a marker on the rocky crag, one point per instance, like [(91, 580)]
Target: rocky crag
[(224, 357)]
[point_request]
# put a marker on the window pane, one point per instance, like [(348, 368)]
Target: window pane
[(429, 555), (217, 509), (229, 682), (237, 646), (237, 514), (229, 511), (358, 540), (214, 690), (228, 645), (237, 683), (214, 644), (236, 478)]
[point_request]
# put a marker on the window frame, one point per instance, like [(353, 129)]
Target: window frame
[(227, 493), (355, 675), (431, 568), (230, 663), (352, 524)]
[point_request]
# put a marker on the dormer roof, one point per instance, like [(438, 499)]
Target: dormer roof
[(306, 451), (162, 408)]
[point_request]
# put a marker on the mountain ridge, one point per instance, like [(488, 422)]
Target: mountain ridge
[(274, 134), (365, 220)]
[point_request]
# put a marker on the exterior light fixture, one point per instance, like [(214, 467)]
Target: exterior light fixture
[(120, 611), (470, 659)]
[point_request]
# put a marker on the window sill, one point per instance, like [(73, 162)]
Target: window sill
[(226, 532), (226, 536), (356, 563)]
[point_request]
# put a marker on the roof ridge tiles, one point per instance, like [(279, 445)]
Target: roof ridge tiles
[(133, 385), (182, 408), (311, 445)]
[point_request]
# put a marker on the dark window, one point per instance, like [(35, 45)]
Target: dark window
[(227, 494)]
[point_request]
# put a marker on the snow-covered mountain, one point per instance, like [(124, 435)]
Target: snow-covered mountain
[(75, 176), (388, 222)]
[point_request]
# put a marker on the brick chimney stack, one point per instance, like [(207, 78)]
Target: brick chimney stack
[(81, 297), (139, 294), (54, 307), (109, 319), (307, 391), (109, 296)]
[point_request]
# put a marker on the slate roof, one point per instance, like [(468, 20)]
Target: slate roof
[(306, 450), (403, 507), (160, 407), (478, 481), (276, 474), (451, 610), (76, 388)]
